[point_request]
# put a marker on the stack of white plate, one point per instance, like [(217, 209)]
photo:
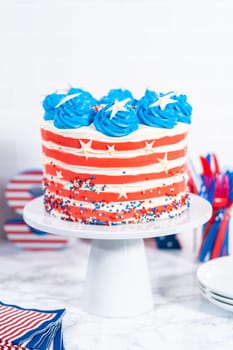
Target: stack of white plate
[(215, 279)]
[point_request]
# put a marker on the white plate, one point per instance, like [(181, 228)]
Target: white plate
[(216, 302), (217, 276), (216, 296)]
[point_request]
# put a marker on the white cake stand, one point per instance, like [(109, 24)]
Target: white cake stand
[(117, 282)]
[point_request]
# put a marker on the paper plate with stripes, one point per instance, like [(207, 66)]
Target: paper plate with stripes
[(22, 188), (26, 237)]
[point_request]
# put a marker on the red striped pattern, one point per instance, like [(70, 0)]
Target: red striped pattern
[(69, 175), (6, 345), (22, 236), (18, 191), (87, 215), (100, 145), (90, 196), (138, 161), (86, 183), (15, 323)]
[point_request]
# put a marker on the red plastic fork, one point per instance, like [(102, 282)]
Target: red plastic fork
[(216, 164), (221, 202), (221, 234), (221, 192), (206, 167)]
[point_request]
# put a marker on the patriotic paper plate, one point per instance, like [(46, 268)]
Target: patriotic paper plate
[(26, 237), (22, 188)]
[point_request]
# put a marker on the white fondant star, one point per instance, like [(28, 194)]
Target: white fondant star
[(67, 98), (118, 106), (122, 193), (163, 101), (149, 147), (59, 175), (85, 147), (111, 149), (164, 163)]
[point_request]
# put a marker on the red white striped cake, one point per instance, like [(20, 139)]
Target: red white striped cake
[(94, 178)]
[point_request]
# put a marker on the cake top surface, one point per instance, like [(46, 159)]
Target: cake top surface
[(117, 114)]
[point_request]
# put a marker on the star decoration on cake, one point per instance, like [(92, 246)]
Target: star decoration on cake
[(149, 147), (86, 147), (67, 98), (164, 163), (111, 150), (163, 101), (117, 107), (59, 175), (122, 193)]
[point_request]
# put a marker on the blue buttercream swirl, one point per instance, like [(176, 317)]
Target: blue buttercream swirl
[(120, 124), (49, 104), (118, 94), (182, 108), (77, 108), (76, 112), (155, 115), (72, 110)]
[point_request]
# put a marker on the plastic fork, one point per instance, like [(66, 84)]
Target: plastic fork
[(218, 196), (225, 221), (208, 241), (215, 228), (216, 164), (223, 202)]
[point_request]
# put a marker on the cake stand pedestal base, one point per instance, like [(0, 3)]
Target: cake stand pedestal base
[(118, 283)]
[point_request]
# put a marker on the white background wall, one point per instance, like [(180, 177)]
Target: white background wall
[(98, 45)]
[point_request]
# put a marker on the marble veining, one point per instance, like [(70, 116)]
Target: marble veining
[(181, 318)]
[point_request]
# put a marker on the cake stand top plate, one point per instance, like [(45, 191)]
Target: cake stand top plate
[(197, 214)]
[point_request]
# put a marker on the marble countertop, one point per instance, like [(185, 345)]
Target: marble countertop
[(180, 319)]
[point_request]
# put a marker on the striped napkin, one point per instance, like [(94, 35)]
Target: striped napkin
[(27, 329)]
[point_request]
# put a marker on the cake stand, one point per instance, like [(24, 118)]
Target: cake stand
[(117, 282)]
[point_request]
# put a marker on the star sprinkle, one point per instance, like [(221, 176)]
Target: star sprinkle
[(86, 148), (67, 98), (163, 101), (111, 150), (117, 107), (164, 163), (59, 175), (122, 193), (149, 147)]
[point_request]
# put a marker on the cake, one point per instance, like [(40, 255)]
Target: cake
[(115, 160)]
